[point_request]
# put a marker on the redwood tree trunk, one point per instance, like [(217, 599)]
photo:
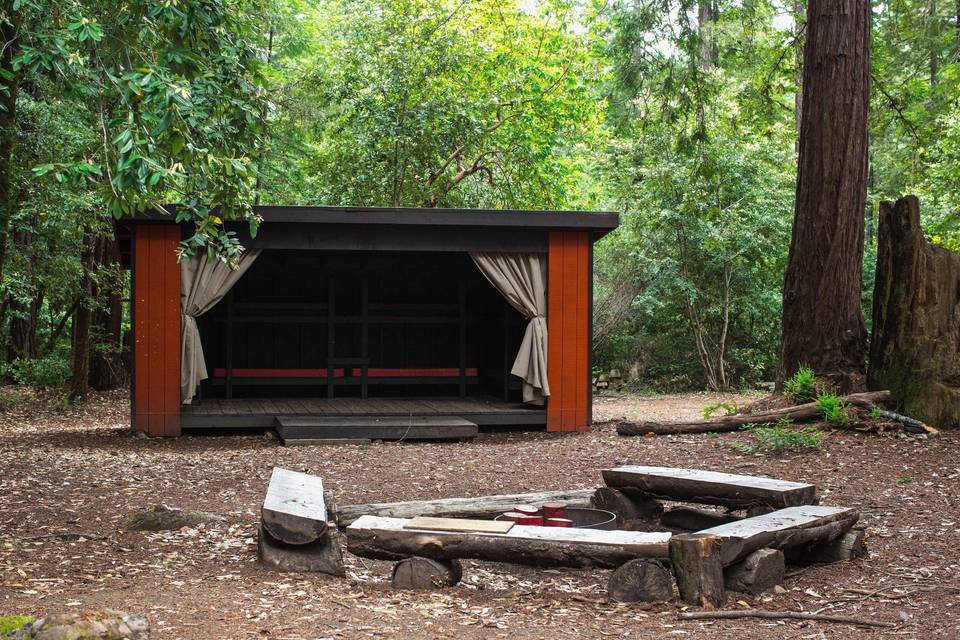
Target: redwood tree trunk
[(107, 370), (822, 321), (916, 318), (82, 320)]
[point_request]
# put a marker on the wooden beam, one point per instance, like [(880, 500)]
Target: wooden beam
[(481, 506), (387, 539), (781, 529), (294, 511), (709, 487)]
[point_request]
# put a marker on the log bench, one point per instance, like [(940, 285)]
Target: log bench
[(701, 560), (295, 534), (383, 538), (709, 487)]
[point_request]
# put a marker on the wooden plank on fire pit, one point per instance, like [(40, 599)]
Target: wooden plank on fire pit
[(709, 487), (388, 539), (459, 524), (781, 529)]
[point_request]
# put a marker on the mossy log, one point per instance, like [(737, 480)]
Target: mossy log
[(916, 319)]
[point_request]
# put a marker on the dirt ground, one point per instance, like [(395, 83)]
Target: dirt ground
[(69, 476)]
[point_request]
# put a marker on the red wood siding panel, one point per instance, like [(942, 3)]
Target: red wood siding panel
[(156, 395), (568, 335)]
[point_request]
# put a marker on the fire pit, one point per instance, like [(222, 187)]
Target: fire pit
[(584, 518)]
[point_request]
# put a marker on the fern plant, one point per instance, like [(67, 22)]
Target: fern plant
[(801, 386), (833, 410)]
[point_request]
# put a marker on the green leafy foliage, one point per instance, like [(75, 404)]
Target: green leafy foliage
[(711, 410), (833, 410), (49, 372), (801, 386), (9, 624), (781, 437)]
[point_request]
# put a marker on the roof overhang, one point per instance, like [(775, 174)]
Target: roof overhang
[(599, 223)]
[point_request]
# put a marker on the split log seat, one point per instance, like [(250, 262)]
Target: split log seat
[(295, 534), (709, 487), (385, 538), (782, 529)]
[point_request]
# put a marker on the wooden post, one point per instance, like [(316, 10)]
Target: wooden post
[(462, 357), (698, 568), (364, 338), (156, 349)]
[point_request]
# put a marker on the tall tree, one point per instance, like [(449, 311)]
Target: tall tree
[(823, 323)]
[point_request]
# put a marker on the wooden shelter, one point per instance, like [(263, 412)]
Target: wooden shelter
[(383, 316)]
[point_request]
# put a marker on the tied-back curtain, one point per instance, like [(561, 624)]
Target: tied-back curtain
[(203, 282), (522, 279)]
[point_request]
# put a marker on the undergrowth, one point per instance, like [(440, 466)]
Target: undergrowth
[(801, 386), (780, 437), (9, 624), (833, 410)]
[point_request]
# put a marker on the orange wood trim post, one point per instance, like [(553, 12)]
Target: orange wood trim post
[(568, 333), (156, 380)]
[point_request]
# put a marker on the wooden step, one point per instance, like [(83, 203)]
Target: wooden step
[(292, 428), (710, 487)]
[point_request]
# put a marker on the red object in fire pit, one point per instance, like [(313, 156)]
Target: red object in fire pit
[(531, 521), (554, 510), (527, 510), (512, 516), (558, 522)]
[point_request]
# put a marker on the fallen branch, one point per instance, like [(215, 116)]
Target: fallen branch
[(782, 615), (798, 413)]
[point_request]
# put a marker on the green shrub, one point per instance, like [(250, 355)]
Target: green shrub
[(9, 624), (833, 410), (713, 408), (780, 437), (801, 386), (44, 373)]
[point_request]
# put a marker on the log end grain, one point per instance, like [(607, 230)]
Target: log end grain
[(323, 556), (640, 580), (425, 573)]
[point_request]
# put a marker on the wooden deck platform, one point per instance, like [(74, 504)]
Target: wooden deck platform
[(253, 413)]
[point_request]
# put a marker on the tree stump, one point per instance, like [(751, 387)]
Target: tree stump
[(850, 545), (760, 571), (698, 568), (424, 573), (916, 319), (322, 556), (626, 507), (640, 580)]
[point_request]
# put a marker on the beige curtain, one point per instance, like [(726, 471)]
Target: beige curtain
[(522, 279), (203, 282)]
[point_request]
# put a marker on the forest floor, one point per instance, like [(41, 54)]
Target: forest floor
[(70, 475)]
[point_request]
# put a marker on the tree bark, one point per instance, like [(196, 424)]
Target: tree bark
[(706, 15), (82, 319), (10, 35), (107, 369), (823, 326), (695, 559), (25, 316), (916, 319)]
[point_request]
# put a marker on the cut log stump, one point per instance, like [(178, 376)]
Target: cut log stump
[(850, 545), (760, 571), (626, 507), (698, 569), (324, 556), (425, 573), (640, 580)]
